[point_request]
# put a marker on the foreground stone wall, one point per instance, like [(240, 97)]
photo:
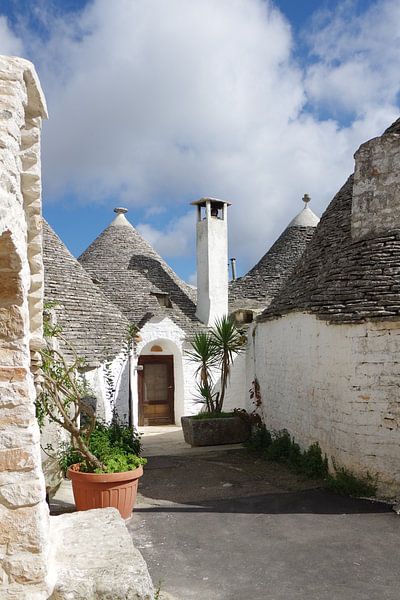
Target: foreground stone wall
[(335, 384), (23, 511)]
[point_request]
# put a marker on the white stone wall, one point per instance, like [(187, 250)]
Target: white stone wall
[(237, 391), (23, 511), (172, 339), (335, 384)]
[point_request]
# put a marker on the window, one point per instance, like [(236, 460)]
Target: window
[(163, 299), (243, 316)]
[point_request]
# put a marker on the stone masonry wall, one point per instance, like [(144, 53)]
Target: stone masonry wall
[(23, 511), (335, 384), (376, 189)]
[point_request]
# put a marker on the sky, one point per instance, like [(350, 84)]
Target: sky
[(155, 103)]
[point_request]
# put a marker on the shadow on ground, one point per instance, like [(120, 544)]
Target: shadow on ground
[(318, 502), (227, 525), (239, 481)]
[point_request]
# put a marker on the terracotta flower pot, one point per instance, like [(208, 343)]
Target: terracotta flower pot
[(102, 490)]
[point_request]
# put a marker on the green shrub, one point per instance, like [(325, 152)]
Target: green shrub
[(260, 439), (284, 449), (117, 446), (314, 465), (67, 455), (346, 483), (281, 447), (213, 415)]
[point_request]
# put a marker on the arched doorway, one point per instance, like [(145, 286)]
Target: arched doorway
[(156, 389)]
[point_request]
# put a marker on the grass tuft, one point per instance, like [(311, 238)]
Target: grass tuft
[(280, 447), (214, 415)]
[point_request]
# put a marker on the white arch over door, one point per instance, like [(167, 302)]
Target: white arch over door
[(165, 347)]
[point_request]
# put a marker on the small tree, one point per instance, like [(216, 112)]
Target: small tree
[(99, 447), (212, 350), (62, 399)]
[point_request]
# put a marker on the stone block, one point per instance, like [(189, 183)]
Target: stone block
[(13, 374), (22, 493), (93, 558), (14, 394), (16, 459), (23, 592), (16, 416), (23, 529), (25, 568)]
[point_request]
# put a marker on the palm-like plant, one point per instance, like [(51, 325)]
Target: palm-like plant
[(204, 353), (216, 349), (229, 341)]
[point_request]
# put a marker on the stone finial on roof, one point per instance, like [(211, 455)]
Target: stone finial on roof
[(120, 219), (261, 284), (305, 218)]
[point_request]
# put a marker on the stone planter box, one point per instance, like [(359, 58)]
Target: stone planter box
[(213, 432)]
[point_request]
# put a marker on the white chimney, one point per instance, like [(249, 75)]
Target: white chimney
[(212, 259)]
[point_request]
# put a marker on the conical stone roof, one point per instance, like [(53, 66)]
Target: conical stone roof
[(133, 276), (260, 285), (341, 279), (94, 326)]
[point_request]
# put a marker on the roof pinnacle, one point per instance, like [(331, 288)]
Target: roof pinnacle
[(120, 210), (306, 199)]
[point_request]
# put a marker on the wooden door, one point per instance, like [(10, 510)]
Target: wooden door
[(156, 390)]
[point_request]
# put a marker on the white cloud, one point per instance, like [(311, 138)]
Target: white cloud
[(10, 44), (176, 239), (182, 99), (358, 58)]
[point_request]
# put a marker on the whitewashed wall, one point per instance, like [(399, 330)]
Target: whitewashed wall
[(241, 378), (97, 380), (172, 339), (335, 384), (237, 392)]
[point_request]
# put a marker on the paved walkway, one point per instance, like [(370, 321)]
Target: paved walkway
[(167, 440), (218, 524)]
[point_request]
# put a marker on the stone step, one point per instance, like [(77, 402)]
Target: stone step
[(93, 558)]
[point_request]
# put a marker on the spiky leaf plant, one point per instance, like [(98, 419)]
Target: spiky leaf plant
[(213, 350)]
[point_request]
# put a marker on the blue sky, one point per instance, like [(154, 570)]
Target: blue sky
[(154, 104)]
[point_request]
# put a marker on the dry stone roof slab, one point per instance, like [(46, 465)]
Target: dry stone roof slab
[(261, 284), (94, 326), (131, 274), (340, 279)]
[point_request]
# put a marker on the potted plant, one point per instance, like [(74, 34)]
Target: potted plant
[(214, 352), (102, 460)]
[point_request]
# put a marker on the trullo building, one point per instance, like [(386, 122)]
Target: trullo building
[(120, 279), (326, 351)]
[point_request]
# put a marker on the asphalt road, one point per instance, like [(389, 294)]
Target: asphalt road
[(226, 526)]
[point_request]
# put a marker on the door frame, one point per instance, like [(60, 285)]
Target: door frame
[(167, 359)]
